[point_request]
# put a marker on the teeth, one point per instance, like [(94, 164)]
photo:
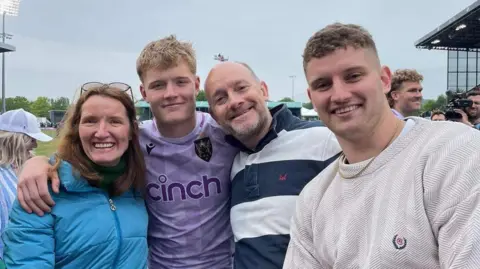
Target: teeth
[(345, 109), (103, 145)]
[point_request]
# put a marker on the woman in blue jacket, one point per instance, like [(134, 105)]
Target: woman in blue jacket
[(100, 219)]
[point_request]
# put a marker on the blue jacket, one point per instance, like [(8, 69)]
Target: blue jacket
[(86, 229)]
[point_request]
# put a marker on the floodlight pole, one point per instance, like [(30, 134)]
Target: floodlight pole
[(293, 86), (10, 8), (4, 106)]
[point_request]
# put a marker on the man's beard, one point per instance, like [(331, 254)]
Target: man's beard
[(475, 118), (247, 132)]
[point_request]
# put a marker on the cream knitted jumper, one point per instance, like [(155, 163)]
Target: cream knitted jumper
[(416, 206)]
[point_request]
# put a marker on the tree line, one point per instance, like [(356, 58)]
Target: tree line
[(439, 103), (39, 107), (201, 97)]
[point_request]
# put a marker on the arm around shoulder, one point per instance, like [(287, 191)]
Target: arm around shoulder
[(29, 240), (452, 200)]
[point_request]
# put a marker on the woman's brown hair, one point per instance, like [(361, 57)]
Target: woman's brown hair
[(70, 147)]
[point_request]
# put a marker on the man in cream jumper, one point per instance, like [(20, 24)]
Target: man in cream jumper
[(405, 194)]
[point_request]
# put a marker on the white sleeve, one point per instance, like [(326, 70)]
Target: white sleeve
[(332, 147), (452, 200), (300, 252)]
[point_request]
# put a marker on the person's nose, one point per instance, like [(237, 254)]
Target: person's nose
[(102, 131), (170, 91), (236, 102), (340, 92)]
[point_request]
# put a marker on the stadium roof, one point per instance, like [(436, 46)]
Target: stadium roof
[(461, 32), (6, 48), (204, 104)]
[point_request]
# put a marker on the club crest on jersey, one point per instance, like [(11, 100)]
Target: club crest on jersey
[(149, 147), (203, 148), (399, 242)]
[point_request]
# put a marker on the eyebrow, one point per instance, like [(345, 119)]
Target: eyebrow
[(218, 92), (234, 84), (117, 114), (155, 82), (240, 82), (354, 68), (164, 80), (317, 80), (350, 69)]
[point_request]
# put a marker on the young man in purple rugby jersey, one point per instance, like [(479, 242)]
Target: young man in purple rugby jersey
[(188, 166)]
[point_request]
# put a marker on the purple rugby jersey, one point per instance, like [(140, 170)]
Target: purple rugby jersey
[(188, 197)]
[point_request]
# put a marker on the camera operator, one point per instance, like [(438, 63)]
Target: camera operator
[(459, 104), (464, 118), (473, 112)]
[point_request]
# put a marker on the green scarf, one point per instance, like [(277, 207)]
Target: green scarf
[(110, 173)]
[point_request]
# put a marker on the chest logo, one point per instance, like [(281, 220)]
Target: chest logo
[(203, 148), (399, 242)]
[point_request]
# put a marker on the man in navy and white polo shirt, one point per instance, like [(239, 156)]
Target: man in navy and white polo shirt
[(279, 155)]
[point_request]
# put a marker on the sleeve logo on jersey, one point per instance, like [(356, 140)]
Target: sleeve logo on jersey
[(203, 148), (149, 147)]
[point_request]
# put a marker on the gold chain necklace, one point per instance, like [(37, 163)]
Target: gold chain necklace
[(342, 157)]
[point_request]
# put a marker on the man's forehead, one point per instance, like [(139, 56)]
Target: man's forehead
[(319, 72), (222, 85), (178, 70), (475, 97), (226, 74), (225, 79), (344, 58)]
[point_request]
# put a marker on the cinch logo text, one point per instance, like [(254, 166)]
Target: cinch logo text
[(195, 189)]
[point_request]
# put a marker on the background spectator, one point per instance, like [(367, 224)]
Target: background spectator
[(405, 95)]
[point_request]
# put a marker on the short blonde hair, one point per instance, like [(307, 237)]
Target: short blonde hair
[(337, 36), (399, 77), (164, 54), (14, 149)]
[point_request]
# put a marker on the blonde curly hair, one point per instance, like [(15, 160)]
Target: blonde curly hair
[(399, 77)]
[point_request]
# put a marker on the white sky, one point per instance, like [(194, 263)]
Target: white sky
[(62, 44)]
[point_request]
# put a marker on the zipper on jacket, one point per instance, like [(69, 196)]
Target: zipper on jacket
[(113, 208)]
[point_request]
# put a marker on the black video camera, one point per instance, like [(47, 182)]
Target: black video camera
[(456, 100)]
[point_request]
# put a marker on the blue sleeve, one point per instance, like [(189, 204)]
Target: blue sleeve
[(29, 240), (3, 219)]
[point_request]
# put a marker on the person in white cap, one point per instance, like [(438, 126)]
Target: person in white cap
[(19, 132)]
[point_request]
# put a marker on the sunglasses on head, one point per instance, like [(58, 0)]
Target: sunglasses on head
[(118, 85)]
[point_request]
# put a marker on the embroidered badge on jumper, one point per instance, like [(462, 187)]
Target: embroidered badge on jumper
[(399, 242)]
